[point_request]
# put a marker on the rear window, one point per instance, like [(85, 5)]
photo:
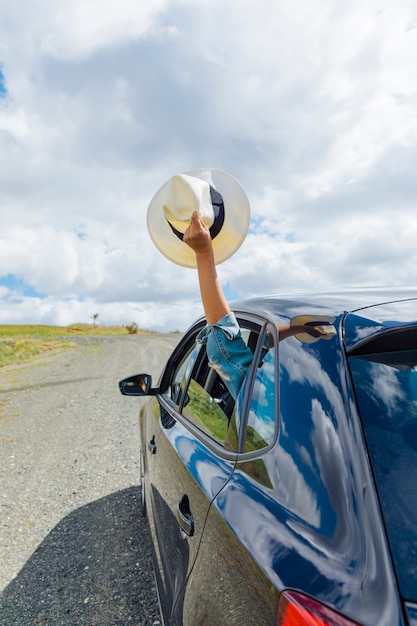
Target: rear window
[(386, 388)]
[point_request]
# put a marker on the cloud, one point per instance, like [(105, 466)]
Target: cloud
[(310, 105)]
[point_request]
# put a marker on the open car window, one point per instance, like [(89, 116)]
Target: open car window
[(198, 392), (205, 409), (209, 405)]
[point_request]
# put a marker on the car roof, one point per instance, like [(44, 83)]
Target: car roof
[(334, 303), (363, 313)]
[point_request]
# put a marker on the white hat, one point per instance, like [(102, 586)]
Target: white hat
[(221, 202)]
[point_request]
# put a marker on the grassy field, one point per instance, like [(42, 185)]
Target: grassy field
[(22, 343)]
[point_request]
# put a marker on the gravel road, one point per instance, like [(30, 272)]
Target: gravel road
[(74, 549)]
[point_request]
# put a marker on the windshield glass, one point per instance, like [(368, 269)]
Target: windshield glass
[(386, 388)]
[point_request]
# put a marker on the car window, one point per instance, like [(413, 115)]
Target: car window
[(204, 411), (261, 424), (386, 389), (207, 402)]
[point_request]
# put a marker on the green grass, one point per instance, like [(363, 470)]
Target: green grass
[(15, 351), (205, 413), (22, 343), (16, 331)]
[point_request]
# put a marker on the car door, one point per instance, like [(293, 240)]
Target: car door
[(189, 460), (292, 515), (227, 585)]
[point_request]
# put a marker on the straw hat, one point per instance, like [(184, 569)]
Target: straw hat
[(223, 206)]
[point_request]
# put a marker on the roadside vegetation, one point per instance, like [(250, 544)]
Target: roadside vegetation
[(22, 343)]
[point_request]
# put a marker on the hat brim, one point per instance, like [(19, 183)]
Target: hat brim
[(232, 234)]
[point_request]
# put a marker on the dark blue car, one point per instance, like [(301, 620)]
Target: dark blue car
[(296, 504)]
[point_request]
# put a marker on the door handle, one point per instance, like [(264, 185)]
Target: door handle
[(152, 445), (185, 517)]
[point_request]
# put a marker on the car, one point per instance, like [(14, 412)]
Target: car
[(296, 503)]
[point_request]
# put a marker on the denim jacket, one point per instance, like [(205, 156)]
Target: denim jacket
[(227, 352)]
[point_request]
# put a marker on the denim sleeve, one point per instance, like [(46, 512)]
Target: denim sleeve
[(227, 352)]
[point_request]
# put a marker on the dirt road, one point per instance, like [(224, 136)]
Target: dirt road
[(74, 549)]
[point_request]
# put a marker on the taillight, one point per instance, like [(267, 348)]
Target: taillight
[(296, 609)]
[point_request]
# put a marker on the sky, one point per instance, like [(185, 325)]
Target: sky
[(310, 104)]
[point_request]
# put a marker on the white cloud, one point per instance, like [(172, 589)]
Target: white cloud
[(74, 29), (311, 105)]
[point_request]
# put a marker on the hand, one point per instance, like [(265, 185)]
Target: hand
[(197, 235)]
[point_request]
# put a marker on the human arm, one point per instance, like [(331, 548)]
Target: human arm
[(197, 236), (215, 305)]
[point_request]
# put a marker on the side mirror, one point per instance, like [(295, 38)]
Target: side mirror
[(138, 385)]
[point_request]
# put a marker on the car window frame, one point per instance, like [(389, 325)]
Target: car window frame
[(243, 402), (200, 362), (240, 413), (270, 329), (197, 353), (187, 345)]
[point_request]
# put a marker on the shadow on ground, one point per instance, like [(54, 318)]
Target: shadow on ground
[(94, 568)]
